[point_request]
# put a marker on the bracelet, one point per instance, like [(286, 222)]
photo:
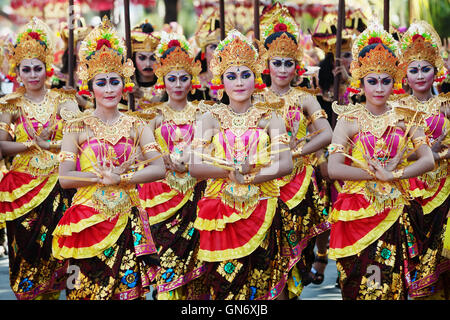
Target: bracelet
[(318, 114), (443, 153), (197, 143), (150, 147), (125, 178), (417, 142), (297, 151), (28, 143), (322, 255), (55, 143), (397, 174), (335, 148), (67, 156), (281, 139), (249, 177)]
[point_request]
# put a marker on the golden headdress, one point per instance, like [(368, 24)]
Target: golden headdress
[(324, 35), (144, 38), (80, 31), (208, 30), (180, 58), (380, 59), (102, 51), (421, 42), (237, 50), (34, 40), (278, 19)]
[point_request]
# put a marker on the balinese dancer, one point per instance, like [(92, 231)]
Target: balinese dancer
[(32, 201), (144, 41), (423, 63), (301, 209), (372, 235), (207, 37), (171, 203), (105, 233), (241, 148)]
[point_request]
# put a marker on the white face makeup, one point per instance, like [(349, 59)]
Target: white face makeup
[(239, 83), (107, 89)]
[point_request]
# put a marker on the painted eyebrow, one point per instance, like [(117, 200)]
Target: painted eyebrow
[(377, 78), (104, 79), (427, 65)]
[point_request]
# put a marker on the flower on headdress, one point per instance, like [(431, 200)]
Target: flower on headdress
[(280, 27), (103, 42), (173, 43), (34, 35), (417, 36), (375, 40)]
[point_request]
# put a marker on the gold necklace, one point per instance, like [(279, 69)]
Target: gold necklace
[(40, 111), (112, 133)]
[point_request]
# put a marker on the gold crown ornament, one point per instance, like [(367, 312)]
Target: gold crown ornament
[(208, 31), (103, 51), (180, 58), (278, 19), (142, 41), (378, 59), (237, 50), (80, 31), (421, 42), (34, 40)]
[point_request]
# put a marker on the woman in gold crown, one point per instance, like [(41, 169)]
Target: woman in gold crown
[(105, 234), (373, 234), (144, 41), (302, 210), (207, 37), (241, 148), (171, 203), (421, 58), (32, 201)]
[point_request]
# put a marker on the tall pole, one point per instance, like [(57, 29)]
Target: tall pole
[(70, 24), (340, 25), (222, 19), (256, 19), (386, 15), (126, 4)]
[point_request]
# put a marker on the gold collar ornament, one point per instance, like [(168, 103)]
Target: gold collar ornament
[(180, 58), (421, 42), (34, 40), (102, 51)]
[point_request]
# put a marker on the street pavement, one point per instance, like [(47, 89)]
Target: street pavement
[(324, 291)]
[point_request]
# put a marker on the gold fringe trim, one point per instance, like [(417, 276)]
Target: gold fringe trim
[(180, 182), (242, 198)]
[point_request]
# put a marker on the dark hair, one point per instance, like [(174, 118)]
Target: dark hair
[(326, 78), (369, 47), (65, 61), (203, 63), (147, 27), (276, 35)]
